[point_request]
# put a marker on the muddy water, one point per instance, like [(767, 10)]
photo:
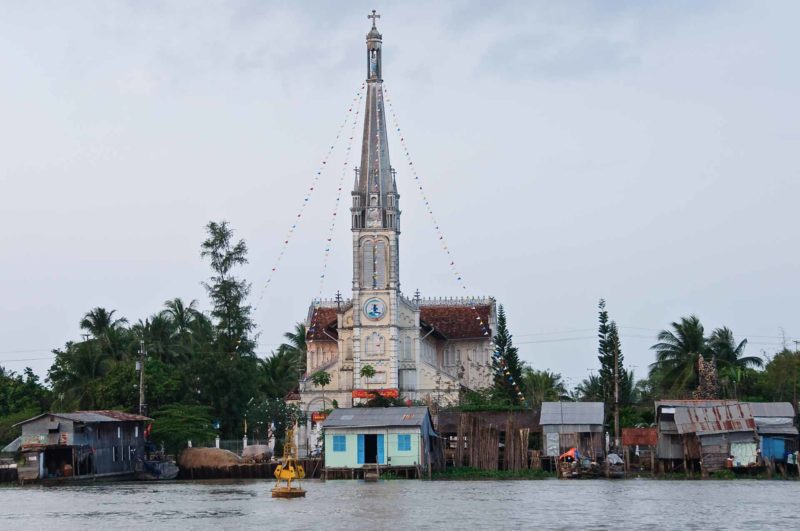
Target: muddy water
[(395, 505)]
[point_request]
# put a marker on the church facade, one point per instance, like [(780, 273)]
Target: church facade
[(420, 349)]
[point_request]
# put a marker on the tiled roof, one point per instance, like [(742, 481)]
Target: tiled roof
[(323, 320), (457, 322)]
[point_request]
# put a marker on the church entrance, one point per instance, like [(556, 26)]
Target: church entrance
[(370, 449)]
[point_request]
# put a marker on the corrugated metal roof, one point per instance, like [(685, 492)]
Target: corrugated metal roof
[(772, 409), (361, 417), (715, 419), (639, 436), (105, 415), (572, 413)]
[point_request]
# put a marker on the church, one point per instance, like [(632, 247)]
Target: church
[(418, 349)]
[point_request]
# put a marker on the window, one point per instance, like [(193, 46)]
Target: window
[(339, 443), (136, 432), (114, 453), (404, 442), (119, 432)]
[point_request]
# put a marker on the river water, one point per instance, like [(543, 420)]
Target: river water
[(395, 505)]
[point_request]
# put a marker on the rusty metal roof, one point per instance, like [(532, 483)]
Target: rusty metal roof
[(715, 419), (639, 436), (104, 415)]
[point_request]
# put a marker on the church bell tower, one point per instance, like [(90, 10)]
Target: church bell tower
[(376, 230)]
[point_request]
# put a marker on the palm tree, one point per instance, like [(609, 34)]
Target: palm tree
[(77, 372), (543, 386), (590, 390), (109, 333), (279, 374), (321, 379), (296, 344), (98, 321), (677, 353), (728, 354)]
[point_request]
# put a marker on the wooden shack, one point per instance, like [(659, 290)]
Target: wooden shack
[(578, 425), (82, 444)]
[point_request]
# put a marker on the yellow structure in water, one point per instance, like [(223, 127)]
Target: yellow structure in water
[(289, 471)]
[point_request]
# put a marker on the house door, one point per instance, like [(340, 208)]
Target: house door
[(370, 449)]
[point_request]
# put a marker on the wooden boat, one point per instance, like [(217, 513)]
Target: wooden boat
[(155, 469)]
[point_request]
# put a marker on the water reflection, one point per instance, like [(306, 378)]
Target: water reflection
[(550, 504)]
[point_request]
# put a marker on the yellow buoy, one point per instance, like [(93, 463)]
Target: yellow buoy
[(289, 471)]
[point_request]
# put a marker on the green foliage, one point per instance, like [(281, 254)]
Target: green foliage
[(674, 372), (7, 430), (296, 345), (227, 293), (543, 386), (277, 413), (176, 424), (508, 366), (279, 373), (321, 379), (367, 371)]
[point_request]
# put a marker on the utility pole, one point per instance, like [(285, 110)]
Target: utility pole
[(616, 397), (140, 366)]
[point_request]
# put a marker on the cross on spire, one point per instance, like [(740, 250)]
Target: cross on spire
[(373, 16)]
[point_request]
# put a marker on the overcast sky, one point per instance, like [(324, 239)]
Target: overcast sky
[(645, 152)]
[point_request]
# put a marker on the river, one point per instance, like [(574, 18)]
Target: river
[(355, 505)]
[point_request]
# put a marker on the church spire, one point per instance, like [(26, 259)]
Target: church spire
[(375, 198)]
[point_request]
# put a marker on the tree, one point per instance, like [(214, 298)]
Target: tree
[(729, 354), (279, 374), (677, 352), (321, 379), (76, 374), (367, 371), (543, 386), (508, 384), (226, 378), (176, 424), (280, 415), (227, 293), (296, 344)]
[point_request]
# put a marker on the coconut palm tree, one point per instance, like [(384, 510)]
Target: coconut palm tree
[(279, 374), (543, 386), (677, 352), (728, 354), (108, 333), (296, 344)]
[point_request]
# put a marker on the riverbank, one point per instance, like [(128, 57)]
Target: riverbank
[(471, 474)]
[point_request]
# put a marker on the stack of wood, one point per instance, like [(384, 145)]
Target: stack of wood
[(478, 444)]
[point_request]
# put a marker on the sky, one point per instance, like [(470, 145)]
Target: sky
[(643, 152)]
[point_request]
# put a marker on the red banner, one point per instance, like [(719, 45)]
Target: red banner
[(318, 416), (370, 393)]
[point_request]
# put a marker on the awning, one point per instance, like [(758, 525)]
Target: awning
[(13, 446)]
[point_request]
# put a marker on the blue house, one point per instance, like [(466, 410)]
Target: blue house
[(776, 429), (400, 438)]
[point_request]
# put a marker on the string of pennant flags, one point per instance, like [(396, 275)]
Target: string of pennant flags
[(337, 203), (308, 195), (334, 214), (443, 242)]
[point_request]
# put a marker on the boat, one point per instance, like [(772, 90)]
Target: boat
[(155, 469)]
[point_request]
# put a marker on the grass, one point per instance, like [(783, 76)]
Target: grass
[(468, 473)]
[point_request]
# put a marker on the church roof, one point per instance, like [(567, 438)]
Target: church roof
[(450, 322), (456, 322), (323, 320)]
